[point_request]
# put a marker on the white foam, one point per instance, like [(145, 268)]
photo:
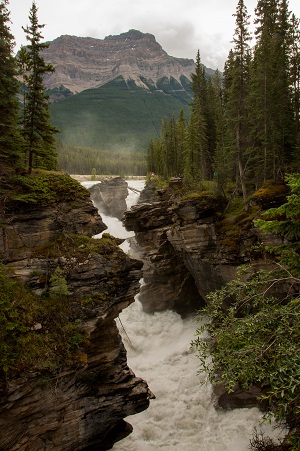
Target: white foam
[(183, 416)]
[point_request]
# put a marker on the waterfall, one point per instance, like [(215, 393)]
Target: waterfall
[(183, 416)]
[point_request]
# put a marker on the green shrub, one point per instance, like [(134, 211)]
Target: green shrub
[(36, 333)]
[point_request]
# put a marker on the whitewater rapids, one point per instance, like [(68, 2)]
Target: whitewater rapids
[(183, 416)]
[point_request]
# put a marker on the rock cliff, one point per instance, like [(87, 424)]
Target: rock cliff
[(78, 403), (109, 196), (83, 63), (185, 250), (190, 237), (191, 248)]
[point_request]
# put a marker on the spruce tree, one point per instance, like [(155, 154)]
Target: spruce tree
[(10, 139), (197, 158), (294, 54), (271, 105), (181, 131), (237, 86), (223, 160), (38, 131)]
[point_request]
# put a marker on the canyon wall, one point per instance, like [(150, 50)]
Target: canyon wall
[(188, 251), (78, 406)]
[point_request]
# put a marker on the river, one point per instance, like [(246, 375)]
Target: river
[(183, 416)]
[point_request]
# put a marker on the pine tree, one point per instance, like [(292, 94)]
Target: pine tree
[(271, 106), (10, 139), (38, 131), (197, 158), (181, 128), (237, 86), (294, 54)]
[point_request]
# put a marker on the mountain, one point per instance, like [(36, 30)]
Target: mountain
[(113, 93), (83, 63)]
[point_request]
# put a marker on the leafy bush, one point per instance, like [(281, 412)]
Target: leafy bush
[(256, 339), (254, 324)]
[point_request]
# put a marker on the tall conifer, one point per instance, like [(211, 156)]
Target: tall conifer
[(237, 87), (38, 131), (272, 117), (197, 159), (10, 139)]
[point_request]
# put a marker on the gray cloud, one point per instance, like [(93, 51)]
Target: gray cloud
[(181, 27)]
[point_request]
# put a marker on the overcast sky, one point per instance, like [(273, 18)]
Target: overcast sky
[(180, 26)]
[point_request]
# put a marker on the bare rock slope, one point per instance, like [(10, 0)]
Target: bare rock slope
[(83, 63)]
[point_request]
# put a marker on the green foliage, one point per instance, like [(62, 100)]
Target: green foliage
[(284, 221), (43, 188), (58, 283), (79, 160), (81, 246), (254, 321), (255, 340), (37, 130), (10, 138), (118, 116), (36, 333), (243, 127)]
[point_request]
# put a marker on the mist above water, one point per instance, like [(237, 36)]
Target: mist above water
[(183, 416)]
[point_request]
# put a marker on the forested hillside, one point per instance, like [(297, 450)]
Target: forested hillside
[(244, 125), (120, 115)]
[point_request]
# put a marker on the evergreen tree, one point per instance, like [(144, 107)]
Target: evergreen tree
[(237, 86), (151, 156), (197, 158), (181, 131), (38, 131), (10, 139), (294, 55), (223, 159), (271, 112)]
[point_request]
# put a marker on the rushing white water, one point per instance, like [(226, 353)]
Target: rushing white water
[(183, 416), (114, 226)]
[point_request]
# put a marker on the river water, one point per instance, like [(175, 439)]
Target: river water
[(183, 416)]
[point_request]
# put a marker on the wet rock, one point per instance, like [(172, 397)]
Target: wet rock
[(109, 196), (80, 406)]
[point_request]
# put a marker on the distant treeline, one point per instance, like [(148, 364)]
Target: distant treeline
[(82, 160)]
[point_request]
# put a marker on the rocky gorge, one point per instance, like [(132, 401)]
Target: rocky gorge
[(184, 242), (54, 402), (188, 247)]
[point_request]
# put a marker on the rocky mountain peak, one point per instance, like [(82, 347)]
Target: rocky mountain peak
[(83, 63), (131, 35)]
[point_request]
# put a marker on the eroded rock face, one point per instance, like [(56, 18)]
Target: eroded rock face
[(83, 63), (184, 246), (109, 196), (178, 242), (82, 409), (33, 226), (78, 407), (183, 249)]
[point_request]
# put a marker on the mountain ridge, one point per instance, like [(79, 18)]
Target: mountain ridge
[(84, 62), (113, 93)]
